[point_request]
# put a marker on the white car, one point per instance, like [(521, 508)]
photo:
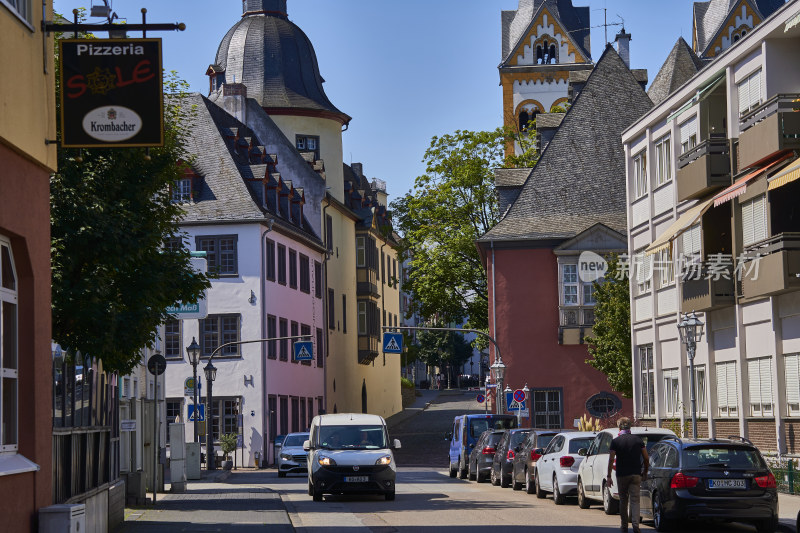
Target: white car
[(557, 468), (594, 468), (350, 454)]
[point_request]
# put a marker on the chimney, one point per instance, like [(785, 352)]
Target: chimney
[(623, 41), (234, 100), (358, 169)]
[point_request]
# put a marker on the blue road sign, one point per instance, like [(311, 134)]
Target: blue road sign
[(513, 405), (304, 351), (392, 343), (202, 413), (481, 398)]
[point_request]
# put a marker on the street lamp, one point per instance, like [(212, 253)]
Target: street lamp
[(527, 392), (211, 374), (499, 371), (691, 330), (193, 351)]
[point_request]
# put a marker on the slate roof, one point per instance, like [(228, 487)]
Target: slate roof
[(681, 64), (574, 19), (579, 180), (709, 17), (549, 120), (276, 60), (226, 154), (511, 177)]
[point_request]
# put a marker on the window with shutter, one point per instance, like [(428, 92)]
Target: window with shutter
[(760, 386), (644, 272), (754, 220), (671, 392), (726, 389), (688, 132), (749, 91), (700, 388), (792, 373)]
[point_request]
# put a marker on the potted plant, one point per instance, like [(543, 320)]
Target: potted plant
[(227, 444)]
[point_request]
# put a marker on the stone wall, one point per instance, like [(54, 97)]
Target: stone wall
[(409, 396), (762, 433)]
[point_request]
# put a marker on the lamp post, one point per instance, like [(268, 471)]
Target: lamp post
[(211, 375), (193, 351), (499, 371), (691, 330), (527, 392)]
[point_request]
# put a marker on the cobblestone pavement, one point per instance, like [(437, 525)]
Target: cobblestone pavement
[(422, 436)]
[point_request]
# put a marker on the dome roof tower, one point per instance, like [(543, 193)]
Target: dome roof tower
[(276, 61)]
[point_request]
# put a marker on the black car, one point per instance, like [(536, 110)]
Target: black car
[(502, 464), (482, 455), (524, 466), (715, 479)]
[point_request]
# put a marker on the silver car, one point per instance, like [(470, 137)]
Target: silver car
[(293, 459), (557, 468)]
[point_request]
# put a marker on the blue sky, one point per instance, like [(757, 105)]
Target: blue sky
[(405, 71)]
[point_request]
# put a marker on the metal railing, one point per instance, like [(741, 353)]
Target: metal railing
[(717, 143), (576, 316), (789, 240), (786, 469), (784, 102)]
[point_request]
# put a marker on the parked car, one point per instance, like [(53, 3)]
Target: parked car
[(482, 455), (524, 467), (350, 453), (466, 431), (557, 468), (594, 467), (503, 461), (718, 479), (293, 458)]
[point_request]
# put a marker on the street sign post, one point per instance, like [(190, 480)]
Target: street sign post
[(201, 413), (156, 365), (188, 387), (392, 343), (303, 351), (513, 405)]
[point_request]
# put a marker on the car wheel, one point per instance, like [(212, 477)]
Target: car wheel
[(767, 526), (281, 474), (539, 492), (583, 503), (317, 494), (528, 483), (610, 505), (493, 477), (659, 522), (504, 481), (480, 478), (310, 489), (516, 485), (453, 471), (389, 496), (472, 473), (462, 469), (558, 498)]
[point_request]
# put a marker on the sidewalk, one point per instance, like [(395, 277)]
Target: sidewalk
[(235, 502), (420, 404), (788, 507)]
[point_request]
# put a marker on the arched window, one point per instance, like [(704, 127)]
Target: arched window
[(524, 118), (744, 32), (9, 377), (736, 37), (539, 55), (553, 59)]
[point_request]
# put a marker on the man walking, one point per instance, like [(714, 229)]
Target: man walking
[(632, 465)]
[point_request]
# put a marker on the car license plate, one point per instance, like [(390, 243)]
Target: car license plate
[(727, 484), (356, 479)]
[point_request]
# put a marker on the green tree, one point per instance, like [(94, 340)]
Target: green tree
[(111, 213), (447, 350), (450, 206), (610, 343)]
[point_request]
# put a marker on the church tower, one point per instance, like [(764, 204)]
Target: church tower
[(543, 42)]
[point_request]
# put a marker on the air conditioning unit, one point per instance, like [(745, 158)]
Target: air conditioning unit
[(63, 518)]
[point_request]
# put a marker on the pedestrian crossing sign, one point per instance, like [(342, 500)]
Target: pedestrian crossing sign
[(392, 343), (200, 413), (304, 351)]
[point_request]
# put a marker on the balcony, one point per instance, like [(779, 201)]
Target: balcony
[(701, 292), (775, 267), (704, 168), (366, 282), (575, 323), (769, 128), (368, 349)]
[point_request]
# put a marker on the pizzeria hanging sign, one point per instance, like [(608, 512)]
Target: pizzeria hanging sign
[(111, 93)]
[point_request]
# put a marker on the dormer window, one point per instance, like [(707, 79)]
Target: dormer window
[(308, 143), (182, 191)]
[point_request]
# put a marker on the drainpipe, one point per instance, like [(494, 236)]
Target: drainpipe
[(494, 326), (383, 300), (325, 310), (265, 414)]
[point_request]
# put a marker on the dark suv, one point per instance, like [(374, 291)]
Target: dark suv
[(502, 463), (482, 455), (524, 467), (715, 479)]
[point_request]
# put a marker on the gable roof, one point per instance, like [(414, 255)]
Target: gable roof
[(580, 177), (681, 64), (711, 15), (517, 24), (511, 177)]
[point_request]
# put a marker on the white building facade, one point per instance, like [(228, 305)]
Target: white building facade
[(710, 229)]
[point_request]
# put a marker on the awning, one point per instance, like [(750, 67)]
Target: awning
[(684, 222), (789, 174), (740, 186), (700, 95)]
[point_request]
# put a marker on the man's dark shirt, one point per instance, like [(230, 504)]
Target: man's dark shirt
[(628, 449)]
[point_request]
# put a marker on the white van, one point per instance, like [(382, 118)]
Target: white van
[(350, 454)]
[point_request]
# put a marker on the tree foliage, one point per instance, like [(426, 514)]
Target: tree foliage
[(110, 217), (451, 206), (610, 343), (443, 348)]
